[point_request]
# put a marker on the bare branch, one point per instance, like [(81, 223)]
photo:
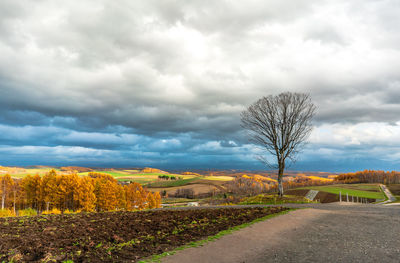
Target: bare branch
[(280, 125)]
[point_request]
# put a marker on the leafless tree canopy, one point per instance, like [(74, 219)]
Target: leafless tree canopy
[(280, 124)]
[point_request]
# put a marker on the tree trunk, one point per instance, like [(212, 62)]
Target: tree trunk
[(3, 196), (280, 176), (14, 203)]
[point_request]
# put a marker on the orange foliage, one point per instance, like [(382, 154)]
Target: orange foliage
[(369, 176), (152, 170), (70, 192)]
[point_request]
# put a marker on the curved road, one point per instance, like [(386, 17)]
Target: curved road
[(324, 233), (389, 195)]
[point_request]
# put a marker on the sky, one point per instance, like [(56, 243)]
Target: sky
[(162, 83)]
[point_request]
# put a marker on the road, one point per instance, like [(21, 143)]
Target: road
[(323, 233), (389, 195)]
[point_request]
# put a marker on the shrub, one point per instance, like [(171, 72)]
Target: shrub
[(53, 211), (27, 212), (6, 212)]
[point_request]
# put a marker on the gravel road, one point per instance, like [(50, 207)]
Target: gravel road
[(322, 233), (389, 195)]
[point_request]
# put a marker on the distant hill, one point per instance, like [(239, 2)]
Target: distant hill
[(153, 170), (75, 169)]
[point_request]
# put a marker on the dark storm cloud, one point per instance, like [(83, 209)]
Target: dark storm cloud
[(152, 80)]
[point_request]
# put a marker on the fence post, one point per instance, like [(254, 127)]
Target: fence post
[(347, 197), (357, 199), (352, 199), (340, 196)]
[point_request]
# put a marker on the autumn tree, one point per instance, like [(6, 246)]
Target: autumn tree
[(85, 194), (157, 198), (280, 125), (32, 190), (106, 191), (98, 191), (49, 188), (150, 201), (135, 196), (6, 183), (15, 191), (121, 197)]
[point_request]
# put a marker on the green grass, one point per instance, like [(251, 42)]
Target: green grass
[(140, 181), (157, 258), (126, 173), (172, 183), (397, 199), (351, 189), (174, 200)]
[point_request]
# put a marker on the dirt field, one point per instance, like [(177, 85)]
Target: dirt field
[(114, 236), (197, 188), (394, 188)]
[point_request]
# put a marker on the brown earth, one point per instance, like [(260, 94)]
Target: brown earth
[(198, 189), (394, 188), (114, 236), (75, 169)]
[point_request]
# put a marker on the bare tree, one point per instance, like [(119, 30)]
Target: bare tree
[(281, 125)]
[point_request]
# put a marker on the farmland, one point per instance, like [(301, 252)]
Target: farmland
[(115, 236), (371, 191), (18, 172)]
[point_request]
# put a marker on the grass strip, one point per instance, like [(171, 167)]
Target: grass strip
[(172, 183), (157, 258), (336, 189)]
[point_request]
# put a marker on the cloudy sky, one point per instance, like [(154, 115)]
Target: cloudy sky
[(162, 83)]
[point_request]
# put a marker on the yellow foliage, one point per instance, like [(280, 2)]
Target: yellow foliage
[(320, 178), (27, 212), (85, 194), (152, 170), (259, 178), (69, 192), (53, 211), (6, 212)]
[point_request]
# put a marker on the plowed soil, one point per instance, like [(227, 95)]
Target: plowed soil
[(114, 236)]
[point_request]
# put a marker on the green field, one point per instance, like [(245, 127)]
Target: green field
[(147, 179), (172, 183), (127, 173), (372, 191)]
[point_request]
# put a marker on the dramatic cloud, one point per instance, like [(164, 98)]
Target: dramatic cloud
[(163, 83)]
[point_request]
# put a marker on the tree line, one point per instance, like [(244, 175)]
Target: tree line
[(249, 186), (369, 176), (95, 192)]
